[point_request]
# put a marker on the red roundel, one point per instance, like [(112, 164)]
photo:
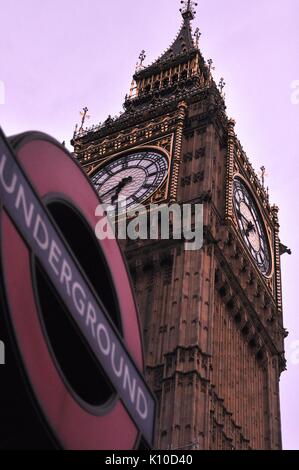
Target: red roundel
[(68, 403)]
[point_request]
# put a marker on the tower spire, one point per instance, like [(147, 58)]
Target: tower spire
[(189, 9)]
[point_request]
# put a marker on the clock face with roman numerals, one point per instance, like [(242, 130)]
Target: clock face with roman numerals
[(252, 226), (131, 179)]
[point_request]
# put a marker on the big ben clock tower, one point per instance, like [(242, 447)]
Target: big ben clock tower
[(212, 319)]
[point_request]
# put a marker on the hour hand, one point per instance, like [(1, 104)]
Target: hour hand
[(119, 188), (250, 228), (249, 224)]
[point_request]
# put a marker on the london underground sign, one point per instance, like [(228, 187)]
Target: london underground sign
[(40, 170)]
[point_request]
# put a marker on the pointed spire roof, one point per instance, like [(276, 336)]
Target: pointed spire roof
[(183, 43)]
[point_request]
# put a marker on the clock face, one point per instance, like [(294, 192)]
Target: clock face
[(251, 226), (135, 177)]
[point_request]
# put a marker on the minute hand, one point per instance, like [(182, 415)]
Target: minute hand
[(118, 187), (243, 217), (110, 191)]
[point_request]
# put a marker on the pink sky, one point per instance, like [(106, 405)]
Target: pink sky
[(58, 56)]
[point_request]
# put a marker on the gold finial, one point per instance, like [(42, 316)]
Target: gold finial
[(210, 64), (142, 57), (188, 11), (263, 174), (84, 116), (197, 35), (210, 68), (221, 85)]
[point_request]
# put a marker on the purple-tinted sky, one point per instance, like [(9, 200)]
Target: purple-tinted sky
[(57, 56)]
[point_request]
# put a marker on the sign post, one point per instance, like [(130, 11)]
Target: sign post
[(29, 216)]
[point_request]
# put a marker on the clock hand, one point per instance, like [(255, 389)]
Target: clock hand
[(250, 228), (124, 182), (250, 225), (119, 188), (109, 191), (243, 217)]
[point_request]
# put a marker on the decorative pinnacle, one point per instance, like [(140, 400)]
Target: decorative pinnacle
[(84, 116), (142, 57), (211, 67), (222, 84), (263, 175), (197, 35), (188, 11)]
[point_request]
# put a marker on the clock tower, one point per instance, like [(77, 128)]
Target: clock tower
[(211, 319)]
